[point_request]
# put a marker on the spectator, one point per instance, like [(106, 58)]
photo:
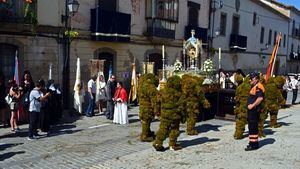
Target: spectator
[(222, 78), (100, 95), (286, 87), (92, 94), (36, 97), (27, 84), (15, 95), (294, 85), (120, 100), (110, 92), (3, 105)]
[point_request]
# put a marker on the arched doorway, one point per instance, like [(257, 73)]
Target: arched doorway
[(7, 60), (157, 59), (108, 55)]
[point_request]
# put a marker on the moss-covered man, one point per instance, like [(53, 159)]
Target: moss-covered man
[(192, 98), (273, 100), (170, 114), (240, 111), (147, 99)]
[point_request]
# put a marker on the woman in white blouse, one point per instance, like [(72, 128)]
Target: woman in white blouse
[(100, 95)]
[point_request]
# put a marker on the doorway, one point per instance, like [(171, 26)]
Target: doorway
[(157, 59), (108, 64), (7, 60)]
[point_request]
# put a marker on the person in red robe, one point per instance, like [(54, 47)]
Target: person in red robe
[(120, 100)]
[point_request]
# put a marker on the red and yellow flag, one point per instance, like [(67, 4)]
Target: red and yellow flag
[(273, 58)]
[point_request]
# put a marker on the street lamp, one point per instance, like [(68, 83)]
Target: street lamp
[(71, 7)]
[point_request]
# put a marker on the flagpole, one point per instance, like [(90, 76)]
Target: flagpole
[(277, 45)]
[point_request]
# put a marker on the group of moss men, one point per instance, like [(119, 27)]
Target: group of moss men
[(178, 101), (255, 98), (181, 98)]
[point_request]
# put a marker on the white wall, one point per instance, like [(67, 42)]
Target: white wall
[(266, 18)]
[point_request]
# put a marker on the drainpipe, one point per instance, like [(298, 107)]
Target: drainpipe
[(210, 31), (287, 46)]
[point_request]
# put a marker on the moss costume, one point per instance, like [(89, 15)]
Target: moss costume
[(240, 111), (170, 114), (147, 96), (274, 100), (192, 97)]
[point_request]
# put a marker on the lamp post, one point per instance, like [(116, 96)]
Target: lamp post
[(71, 7)]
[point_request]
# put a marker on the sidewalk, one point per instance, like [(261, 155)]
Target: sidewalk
[(97, 143), (215, 147)]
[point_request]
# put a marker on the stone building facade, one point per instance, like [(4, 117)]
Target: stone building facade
[(153, 23)]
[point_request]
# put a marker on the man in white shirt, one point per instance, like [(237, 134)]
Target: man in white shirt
[(294, 84), (92, 94), (36, 97)]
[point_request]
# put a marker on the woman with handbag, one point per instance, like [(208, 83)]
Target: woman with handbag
[(13, 99)]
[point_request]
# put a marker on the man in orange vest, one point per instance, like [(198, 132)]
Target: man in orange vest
[(256, 96)]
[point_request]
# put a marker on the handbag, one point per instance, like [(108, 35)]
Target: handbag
[(8, 99)]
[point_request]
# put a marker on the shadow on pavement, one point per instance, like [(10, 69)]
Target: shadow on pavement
[(197, 141), (266, 142), (63, 129), (9, 155), (134, 120), (207, 127), (284, 117), (5, 146), (132, 115), (22, 133)]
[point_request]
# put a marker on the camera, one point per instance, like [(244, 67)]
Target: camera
[(16, 88)]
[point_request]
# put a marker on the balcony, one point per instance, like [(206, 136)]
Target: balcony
[(200, 33), (15, 12), (160, 28), (238, 42), (110, 26)]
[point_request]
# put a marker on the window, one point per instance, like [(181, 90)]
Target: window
[(162, 16), (108, 5), (293, 28), (235, 24), (270, 37), (284, 40), (254, 18), (193, 13), (262, 35), (14, 11), (275, 37), (162, 9), (223, 21)]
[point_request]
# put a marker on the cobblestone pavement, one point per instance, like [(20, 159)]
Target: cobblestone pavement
[(97, 143)]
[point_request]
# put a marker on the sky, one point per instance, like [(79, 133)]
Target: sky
[(295, 3)]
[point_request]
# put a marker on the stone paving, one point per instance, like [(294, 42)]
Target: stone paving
[(81, 142)]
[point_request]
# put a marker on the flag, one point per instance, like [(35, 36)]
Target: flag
[(78, 89), (50, 72), (133, 89), (271, 65), (16, 74), (110, 71)]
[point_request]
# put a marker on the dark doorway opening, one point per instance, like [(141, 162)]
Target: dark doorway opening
[(157, 59), (7, 60), (108, 64)]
